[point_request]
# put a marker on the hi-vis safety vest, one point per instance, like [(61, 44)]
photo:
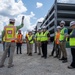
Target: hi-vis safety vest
[(10, 33), (57, 36), (27, 37), (72, 41), (30, 39), (19, 38), (4, 39), (38, 36), (44, 36), (62, 34)]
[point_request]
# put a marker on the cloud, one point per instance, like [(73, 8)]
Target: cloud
[(39, 5), (66, 1), (40, 19), (14, 9), (11, 8)]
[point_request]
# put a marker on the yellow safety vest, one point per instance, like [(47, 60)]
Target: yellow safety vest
[(72, 41), (44, 36), (30, 38), (10, 33), (62, 34), (38, 36)]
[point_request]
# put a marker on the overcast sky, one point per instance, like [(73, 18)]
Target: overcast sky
[(33, 10)]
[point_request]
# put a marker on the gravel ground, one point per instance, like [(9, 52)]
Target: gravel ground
[(35, 65)]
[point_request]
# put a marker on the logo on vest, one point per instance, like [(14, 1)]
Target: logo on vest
[(9, 31)]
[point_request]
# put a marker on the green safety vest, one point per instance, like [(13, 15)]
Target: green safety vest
[(62, 34), (72, 41), (38, 36), (44, 36), (30, 38)]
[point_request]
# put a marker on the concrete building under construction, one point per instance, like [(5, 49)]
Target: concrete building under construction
[(58, 12)]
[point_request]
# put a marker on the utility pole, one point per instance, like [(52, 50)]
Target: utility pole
[(55, 23)]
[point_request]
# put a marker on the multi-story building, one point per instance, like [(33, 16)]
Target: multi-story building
[(58, 12)]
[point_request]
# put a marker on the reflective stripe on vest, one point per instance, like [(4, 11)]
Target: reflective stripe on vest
[(10, 33), (30, 38), (72, 41), (44, 36), (62, 34)]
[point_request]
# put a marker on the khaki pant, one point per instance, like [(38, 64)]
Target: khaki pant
[(35, 47), (30, 48), (27, 47), (39, 47), (63, 49), (12, 49)]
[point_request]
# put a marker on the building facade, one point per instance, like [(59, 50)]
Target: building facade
[(58, 12)]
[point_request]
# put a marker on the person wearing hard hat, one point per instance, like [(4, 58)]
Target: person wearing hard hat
[(31, 41), (45, 37), (72, 44), (57, 36), (56, 43), (26, 37), (63, 33), (38, 40), (19, 41), (10, 36)]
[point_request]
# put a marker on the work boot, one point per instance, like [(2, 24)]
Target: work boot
[(1, 66), (65, 60), (42, 56), (61, 58), (30, 54), (35, 52), (70, 67), (9, 66), (50, 55), (39, 53)]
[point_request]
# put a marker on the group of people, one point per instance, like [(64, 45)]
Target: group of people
[(61, 41), (41, 38)]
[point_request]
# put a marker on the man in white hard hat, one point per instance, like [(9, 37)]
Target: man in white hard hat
[(10, 38), (62, 39), (57, 36), (38, 40), (72, 44), (45, 37), (56, 43)]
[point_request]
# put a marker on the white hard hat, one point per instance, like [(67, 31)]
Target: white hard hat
[(44, 27), (12, 20), (72, 23), (62, 22), (58, 27)]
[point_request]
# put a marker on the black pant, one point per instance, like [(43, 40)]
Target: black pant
[(57, 50), (19, 47), (73, 57), (44, 49), (52, 53)]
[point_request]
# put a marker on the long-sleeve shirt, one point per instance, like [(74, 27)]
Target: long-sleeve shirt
[(17, 28), (73, 34)]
